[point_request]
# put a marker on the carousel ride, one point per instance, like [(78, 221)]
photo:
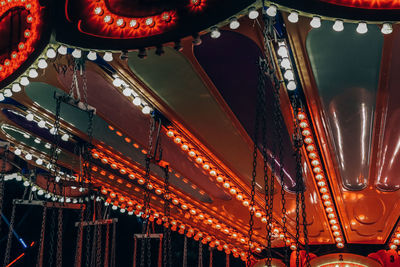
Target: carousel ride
[(264, 130)]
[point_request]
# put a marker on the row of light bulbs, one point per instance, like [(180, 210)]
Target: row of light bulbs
[(293, 17)]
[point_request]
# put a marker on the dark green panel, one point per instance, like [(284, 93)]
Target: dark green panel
[(346, 68)]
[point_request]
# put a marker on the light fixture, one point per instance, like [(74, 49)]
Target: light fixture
[(37, 140), (17, 152), (285, 63), (234, 23), (291, 86), (136, 101), (33, 73), (289, 75), (26, 183), (253, 13), (29, 117), (42, 64), (127, 91), (272, 10), (77, 53), (146, 110), (2, 97), (315, 22), (117, 82), (39, 161), (108, 56), (51, 53), (362, 27), (62, 50), (338, 25), (282, 51), (7, 93), (387, 28), (65, 137), (28, 156), (293, 17), (92, 55), (41, 124), (16, 88), (24, 81), (215, 33)]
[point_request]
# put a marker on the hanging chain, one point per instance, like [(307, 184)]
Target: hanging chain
[(113, 245), (107, 241), (9, 237), (59, 237), (167, 230), (3, 172), (39, 261), (78, 252), (184, 263), (99, 245), (200, 254), (88, 235)]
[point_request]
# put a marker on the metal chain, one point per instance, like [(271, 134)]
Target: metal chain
[(59, 237), (200, 254), (51, 237), (305, 231), (78, 252), (39, 261), (107, 246), (113, 248), (184, 260), (9, 237), (88, 235), (3, 171), (167, 230), (99, 246)]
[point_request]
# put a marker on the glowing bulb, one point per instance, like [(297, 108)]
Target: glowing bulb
[(65, 137), (362, 28), (16, 88), (293, 17), (215, 33), (92, 55), (28, 156), (98, 11), (338, 25), (39, 161), (2, 97), (272, 10), (291, 86), (7, 93), (42, 64), (127, 91), (37, 140), (33, 73), (108, 56), (387, 28), (315, 22), (51, 53), (62, 50), (26, 183), (40, 192), (146, 110), (17, 152), (253, 13), (117, 82), (77, 53), (137, 101), (283, 52), (285, 63), (289, 75), (133, 23), (24, 81), (149, 21), (234, 23), (42, 124)]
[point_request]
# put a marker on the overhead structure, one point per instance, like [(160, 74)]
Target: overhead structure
[(263, 129)]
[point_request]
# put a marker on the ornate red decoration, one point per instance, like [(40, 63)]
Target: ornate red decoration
[(369, 4), (97, 20), (31, 34), (387, 258)]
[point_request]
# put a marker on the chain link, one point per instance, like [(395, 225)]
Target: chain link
[(167, 230), (184, 263), (107, 246), (39, 261), (59, 237), (9, 237), (200, 254), (78, 252), (113, 248)]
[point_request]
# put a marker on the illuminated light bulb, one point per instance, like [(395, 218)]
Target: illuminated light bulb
[(26, 183), (120, 22), (312, 155), (26, 135), (245, 203), (325, 197), (362, 28), (206, 166), (41, 124), (192, 153), (33, 73), (28, 156), (51, 53), (65, 137), (331, 216), (17, 152), (285, 63), (306, 132), (170, 133), (98, 11), (114, 207), (227, 185), (272, 10), (37, 140), (308, 140), (387, 28), (108, 56), (338, 239), (253, 13), (291, 86), (293, 247), (303, 124), (220, 179), (199, 160), (338, 25), (213, 173), (234, 23), (117, 82), (136, 101), (39, 161), (283, 51), (24, 81), (340, 245), (315, 22), (293, 17), (177, 140), (239, 197), (215, 33), (2, 97), (323, 190), (133, 23), (289, 75), (232, 191), (335, 227), (40, 192), (149, 21), (92, 55), (315, 162), (77, 53), (108, 19), (329, 210), (336, 233), (319, 177), (193, 212), (396, 241), (16, 88), (127, 91), (62, 50), (258, 214), (146, 110), (42, 64)]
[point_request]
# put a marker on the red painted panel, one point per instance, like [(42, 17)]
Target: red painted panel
[(369, 4)]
